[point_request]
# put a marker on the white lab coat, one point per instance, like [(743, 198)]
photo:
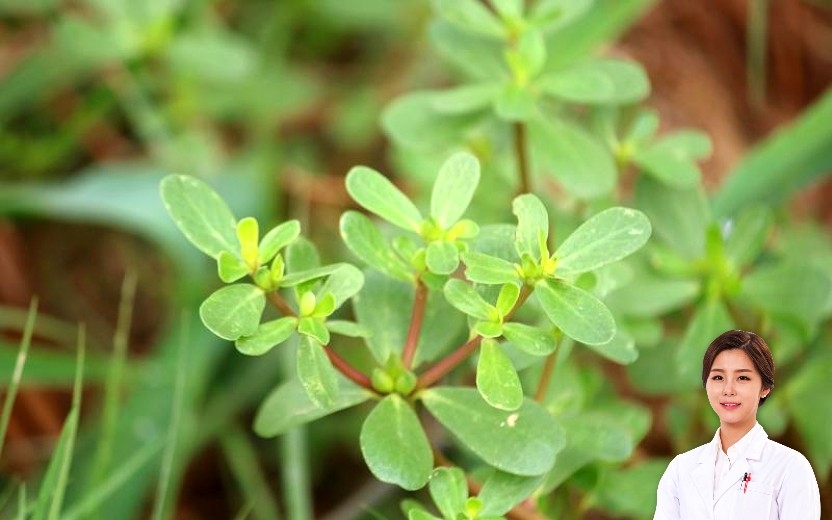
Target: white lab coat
[(782, 486)]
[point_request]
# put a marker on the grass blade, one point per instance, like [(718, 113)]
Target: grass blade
[(162, 488), (114, 381), (11, 394), (242, 458)]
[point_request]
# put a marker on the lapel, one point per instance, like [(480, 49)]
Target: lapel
[(703, 475), (753, 451)]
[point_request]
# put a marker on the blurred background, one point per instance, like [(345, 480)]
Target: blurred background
[(273, 102)]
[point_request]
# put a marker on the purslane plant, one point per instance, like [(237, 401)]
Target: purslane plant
[(496, 420)]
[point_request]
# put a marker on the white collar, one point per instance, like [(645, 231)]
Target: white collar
[(737, 449)]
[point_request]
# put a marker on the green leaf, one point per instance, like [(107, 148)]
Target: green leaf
[(467, 299), (454, 188), (365, 241), (348, 328), (376, 193), (553, 14), (486, 269), (599, 81), (577, 313), (497, 380), (621, 348), (509, 294), (792, 288), (316, 373), (672, 159), (466, 98), (343, 284), (478, 57), (301, 255), (607, 237), (422, 121), (314, 328), (648, 296), (233, 311), (788, 160), (530, 339), (488, 329), (289, 405), (300, 277), (710, 319), (449, 490), (811, 387), (747, 235), (509, 9), (470, 15), (442, 257), (230, 267), (395, 446), (268, 335), (576, 159), (502, 491), (515, 103), (200, 213), (532, 222), (523, 442), (679, 217), (276, 239), (420, 514)]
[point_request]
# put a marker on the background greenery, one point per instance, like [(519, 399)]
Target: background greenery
[(273, 103)]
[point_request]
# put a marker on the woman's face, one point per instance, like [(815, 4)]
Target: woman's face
[(734, 388)]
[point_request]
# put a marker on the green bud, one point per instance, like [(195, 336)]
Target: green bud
[(278, 269), (405, 383), (431, 230), (418, 261), (263, 279), (248, 235), (382, 382), (325, 306), (307, 303), (473, 507), (464, 229)]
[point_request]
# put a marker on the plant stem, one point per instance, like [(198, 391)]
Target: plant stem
[(546, 376), (341, 364), (520, 150), (280, 304), (348, 370), (409, 350), (440, 369)]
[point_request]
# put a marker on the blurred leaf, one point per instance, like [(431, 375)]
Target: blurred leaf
[(347, 328), (421, 120), (784, 162), (470, 15), (395, 446), (710, 319), (598, 81), (449, 490), (481, 268), (648, 295), (502, 491), (529, 339), (479, 57), (316, 374), (200, 213), (454, 188), (672, 160), (577, 160), (467, 299), (552, 14), (532, 223), (621, 348), (289, 405), (465, 98), (523, 442), (605, 238), (497, 380), (515, 103), (747, 235), (631, 492), (791, 288), (212, 55), (808, 394), (268, 335), (679, 217), (365, 240), (299, 277), (377, 194), (442, 257), (579, 314), (233, 311)]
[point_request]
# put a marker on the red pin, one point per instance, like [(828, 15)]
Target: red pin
[(747, 480)]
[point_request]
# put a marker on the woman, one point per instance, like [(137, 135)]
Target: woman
[(741, 473)]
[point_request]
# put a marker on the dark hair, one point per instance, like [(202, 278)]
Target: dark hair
[(753, 345)]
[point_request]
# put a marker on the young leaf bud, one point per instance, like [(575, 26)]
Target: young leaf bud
[(405, 383), (248, 235), (307, 303), (382, 382)]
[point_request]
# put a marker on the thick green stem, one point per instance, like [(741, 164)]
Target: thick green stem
[(440, 369), (416, 319), (521, 151)]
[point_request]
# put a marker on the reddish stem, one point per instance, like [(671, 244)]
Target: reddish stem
[(345, 368), (416, 319), (437, 371), (545, 377), (280, 304), (520, 144)]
